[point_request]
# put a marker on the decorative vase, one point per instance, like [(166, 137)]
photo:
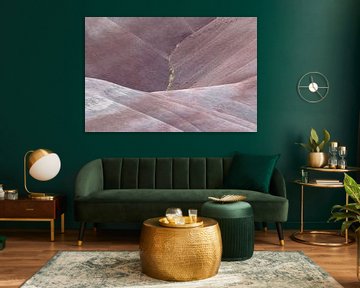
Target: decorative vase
[(317, 159)]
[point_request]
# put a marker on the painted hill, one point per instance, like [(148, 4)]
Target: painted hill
[(110, 55), (139, 53), (162, 33), (111, 107), (222, 52)]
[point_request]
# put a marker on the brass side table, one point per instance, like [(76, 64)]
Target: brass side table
[(297, 235), (180, 254)]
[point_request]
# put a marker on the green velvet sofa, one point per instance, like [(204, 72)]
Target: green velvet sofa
[(130, 190)]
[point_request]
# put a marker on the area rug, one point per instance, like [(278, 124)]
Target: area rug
[(80, 269)]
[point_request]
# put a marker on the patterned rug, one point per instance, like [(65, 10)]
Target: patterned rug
[(122, 269)]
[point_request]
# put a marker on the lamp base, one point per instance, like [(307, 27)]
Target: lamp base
[(41, 196)]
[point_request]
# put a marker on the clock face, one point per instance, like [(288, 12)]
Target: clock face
[(313, 87)]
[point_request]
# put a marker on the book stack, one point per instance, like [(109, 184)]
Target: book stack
[(327, 181)]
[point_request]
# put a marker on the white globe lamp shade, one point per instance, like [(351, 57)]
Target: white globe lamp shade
[(44, 164)]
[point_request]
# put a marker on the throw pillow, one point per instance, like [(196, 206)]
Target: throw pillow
[(251, 172)]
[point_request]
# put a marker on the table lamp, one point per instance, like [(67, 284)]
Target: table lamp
[(43, 165)]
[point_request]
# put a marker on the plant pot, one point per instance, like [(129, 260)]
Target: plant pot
[(317, 159)]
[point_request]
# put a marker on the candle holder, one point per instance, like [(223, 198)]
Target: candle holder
[(333, 161), (342, 153)]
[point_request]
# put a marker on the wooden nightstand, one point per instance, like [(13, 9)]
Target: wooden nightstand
[(26, 209)]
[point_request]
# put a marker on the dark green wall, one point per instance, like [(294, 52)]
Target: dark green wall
[(42, 88)]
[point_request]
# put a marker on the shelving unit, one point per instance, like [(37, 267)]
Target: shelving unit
[(297, 235)]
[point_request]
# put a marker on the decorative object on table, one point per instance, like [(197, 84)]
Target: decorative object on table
[(317, 157), (187, 223), (43, 165), (174, 215), (304, 176), (342, 153), (11, 194), (121, 268), (228, 198), (350, 213), (180, 254), (236, 221), (333, 150), (2, 192), (2, 242), (313, 87), (193, 215)]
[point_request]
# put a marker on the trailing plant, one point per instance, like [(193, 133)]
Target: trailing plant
[(314, 144), (349, 214)]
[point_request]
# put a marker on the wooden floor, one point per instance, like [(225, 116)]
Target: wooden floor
[(28, 250)]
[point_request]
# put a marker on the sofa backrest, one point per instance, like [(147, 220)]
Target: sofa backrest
[(165, 173)]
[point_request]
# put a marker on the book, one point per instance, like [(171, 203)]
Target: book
[(327, 181)]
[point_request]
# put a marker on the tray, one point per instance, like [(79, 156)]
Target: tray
[(164, 222), (228, 198)]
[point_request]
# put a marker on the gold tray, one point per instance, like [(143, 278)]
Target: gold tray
[(165, 222)]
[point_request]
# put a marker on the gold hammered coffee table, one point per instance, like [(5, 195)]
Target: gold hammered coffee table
[(180, 254)]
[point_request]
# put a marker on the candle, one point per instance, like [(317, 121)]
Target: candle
[(333, 144), (342, 149)]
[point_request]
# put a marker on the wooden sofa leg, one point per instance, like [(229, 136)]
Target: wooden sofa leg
[(265, 227), (280, 233), (81, 233)]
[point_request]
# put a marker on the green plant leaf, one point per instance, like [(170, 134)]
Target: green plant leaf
[(350, 207), (337, 216), (312, 144), (326, 136), (321, 146), (314, 136), (306, 146), (352, 188), (346, 225), (349, 213)]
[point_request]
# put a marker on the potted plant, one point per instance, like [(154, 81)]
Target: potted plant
[(317, 157), (350, 214)]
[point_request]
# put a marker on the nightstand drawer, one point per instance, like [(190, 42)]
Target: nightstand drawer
[(28, 209)]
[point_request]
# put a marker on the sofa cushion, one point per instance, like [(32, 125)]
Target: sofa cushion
[(164, 173), (266, 207), (251, 172)]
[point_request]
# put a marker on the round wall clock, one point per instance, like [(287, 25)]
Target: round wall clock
[(313, 87)]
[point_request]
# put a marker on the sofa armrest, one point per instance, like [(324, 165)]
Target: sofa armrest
[(89, 179), (277, 184)]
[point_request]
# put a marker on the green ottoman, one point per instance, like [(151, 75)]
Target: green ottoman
[(236, 221)]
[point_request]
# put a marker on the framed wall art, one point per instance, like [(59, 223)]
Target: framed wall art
[(170, 74)]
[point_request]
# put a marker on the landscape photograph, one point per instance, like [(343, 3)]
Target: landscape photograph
[(170, 74)]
